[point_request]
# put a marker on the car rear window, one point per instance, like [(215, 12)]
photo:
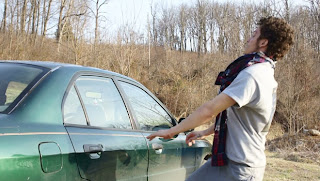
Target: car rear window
[(15, 81)]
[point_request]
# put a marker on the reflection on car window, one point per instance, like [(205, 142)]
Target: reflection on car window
[(13, 90), (103, 102), (14, 79), (151, 116), (72, 109)]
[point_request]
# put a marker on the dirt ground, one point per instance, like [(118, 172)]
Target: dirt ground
[(279, 169), (290, 158)]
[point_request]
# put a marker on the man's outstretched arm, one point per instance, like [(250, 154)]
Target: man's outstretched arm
[(201, 115)]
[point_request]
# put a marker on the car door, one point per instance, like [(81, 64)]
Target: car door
[(106, 146), (168, 159)]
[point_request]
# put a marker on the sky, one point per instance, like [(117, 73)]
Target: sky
[(136, 12)]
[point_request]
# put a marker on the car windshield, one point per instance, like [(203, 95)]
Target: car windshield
[(15, 81)]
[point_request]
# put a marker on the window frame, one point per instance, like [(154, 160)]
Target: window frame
[(137, 84), (81, 103), (115, 78), (94, 74)]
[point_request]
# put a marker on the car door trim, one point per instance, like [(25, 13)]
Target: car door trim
[(33, 133), (106, 134)]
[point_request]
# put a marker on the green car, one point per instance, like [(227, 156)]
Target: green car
[(68, 122)]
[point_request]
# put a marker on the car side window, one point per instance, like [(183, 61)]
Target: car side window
[(13, 90), (103, 103), (72, 109), (149, 114)]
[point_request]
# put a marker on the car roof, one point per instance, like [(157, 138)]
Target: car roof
[(59, 65)]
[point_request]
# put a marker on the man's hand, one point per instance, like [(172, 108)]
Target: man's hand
[(166, 134), (193, 136)]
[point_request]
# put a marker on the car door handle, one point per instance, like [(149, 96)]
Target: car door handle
[(157, 148), (92, 148)]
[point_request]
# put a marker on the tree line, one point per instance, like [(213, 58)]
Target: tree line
[(209, 26), (204, 27)]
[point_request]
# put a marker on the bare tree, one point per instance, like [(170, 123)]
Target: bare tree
[(34, 8), (182, 23), (38, 16), (97, 14), (60, 21), (64, 19), (212, 25), (46, 17), (287, 10), (315, 13), (193, 29), (23, 16), (200, 23), (4, 20), (167, 27)]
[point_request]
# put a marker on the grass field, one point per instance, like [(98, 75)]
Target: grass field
[(279, 169)]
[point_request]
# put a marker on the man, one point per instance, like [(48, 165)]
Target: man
[(246, 104)]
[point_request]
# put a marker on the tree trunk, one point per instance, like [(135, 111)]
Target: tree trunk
[(29, 17), (18, 16), (47, 19), (38, 16), (204, 34), (34, 16), (4, 20), (96, 30), (62, 6), (287, 12), (43, 15), (60, 24), (23, 17)]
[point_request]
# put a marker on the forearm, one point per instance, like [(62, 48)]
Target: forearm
[(197, 118), (203, 114), (209, 130)]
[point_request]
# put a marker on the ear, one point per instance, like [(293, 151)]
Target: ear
[(263, 43)]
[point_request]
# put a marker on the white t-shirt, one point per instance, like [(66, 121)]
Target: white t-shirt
[(254, 91)]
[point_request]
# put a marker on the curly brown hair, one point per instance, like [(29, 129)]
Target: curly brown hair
[(279, 35)]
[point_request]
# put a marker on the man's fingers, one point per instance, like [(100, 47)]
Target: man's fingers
[(161, 133), (151, 137), (190, 135), (157, 134), (191, 142)]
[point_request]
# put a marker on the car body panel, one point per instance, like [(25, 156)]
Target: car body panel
[(168, 162), (20, 158), (36, 120), (38, 146), (124, 154)]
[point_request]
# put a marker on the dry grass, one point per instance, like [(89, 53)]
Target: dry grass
[(298, 148), (291, 157), (275, 131), (283, 170)]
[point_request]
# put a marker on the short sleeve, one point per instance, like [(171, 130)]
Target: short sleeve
[(243, 89)]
